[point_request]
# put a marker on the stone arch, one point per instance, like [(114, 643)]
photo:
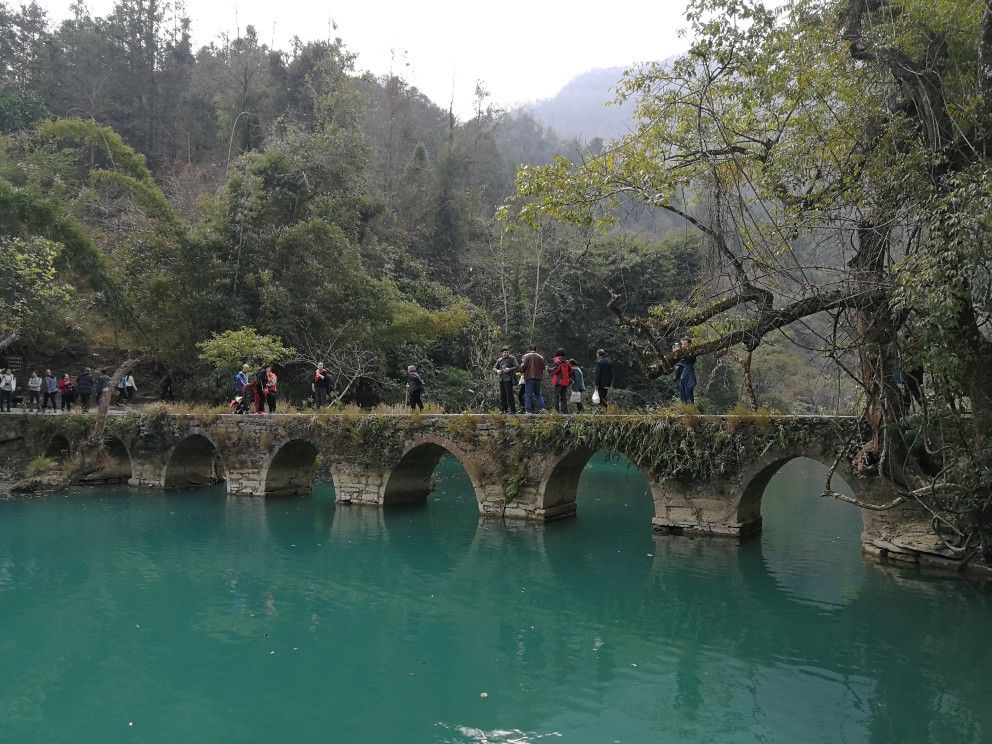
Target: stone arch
[(58, 448), (409, 481), (289, 470), (557, 492), (113, 464), (194, 461), (757, 478)]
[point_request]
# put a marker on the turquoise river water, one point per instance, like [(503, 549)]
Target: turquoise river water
[(142, 616)]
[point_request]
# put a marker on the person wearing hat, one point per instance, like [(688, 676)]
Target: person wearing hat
[(505, 367)]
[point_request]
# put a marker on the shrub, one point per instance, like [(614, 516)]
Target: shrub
[(39, 466)]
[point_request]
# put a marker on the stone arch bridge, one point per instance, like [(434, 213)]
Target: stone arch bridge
[(706, 474)]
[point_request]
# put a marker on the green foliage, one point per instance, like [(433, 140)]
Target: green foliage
[(227, 351), (19, 110), (33, 299), (40, 466)]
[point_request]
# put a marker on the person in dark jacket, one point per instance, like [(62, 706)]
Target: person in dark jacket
[(84, 386), (603, 380), (506, 367), (686, 379), (165, 390), (415, 388), (677, 353), (102, 384), (261, 382), (321, 385)]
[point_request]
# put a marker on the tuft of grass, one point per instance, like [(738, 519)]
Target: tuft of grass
[(741, 415), (39, 466), (463, 425)]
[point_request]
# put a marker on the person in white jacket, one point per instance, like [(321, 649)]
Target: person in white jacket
[(130, 388), (34, 392), (8, 384)]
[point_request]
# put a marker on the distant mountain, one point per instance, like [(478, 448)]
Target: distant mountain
[(579, 109)]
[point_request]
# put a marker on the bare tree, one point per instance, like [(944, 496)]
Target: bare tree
[(346, 360)]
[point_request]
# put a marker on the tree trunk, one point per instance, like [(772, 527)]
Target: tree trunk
[(95, 438), (875, 335)]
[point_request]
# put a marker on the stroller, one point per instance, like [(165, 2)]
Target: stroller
[(245, 403)]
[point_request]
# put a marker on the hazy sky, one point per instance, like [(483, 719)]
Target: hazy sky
[(521, 50)]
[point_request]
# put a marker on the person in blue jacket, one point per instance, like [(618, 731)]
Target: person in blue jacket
[(685, 372), (241, 379)]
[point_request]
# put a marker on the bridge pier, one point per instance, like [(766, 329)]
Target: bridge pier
[(701, 510), (355, 484)]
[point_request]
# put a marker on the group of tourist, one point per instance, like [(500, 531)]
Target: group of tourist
[(253, 392), (61, 392), (520, 382)]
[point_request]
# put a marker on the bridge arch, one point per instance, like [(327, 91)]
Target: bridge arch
[(758, 477), (194, 461), (111, 463), (58, 448), (410, 480), (290, 468), (558, 490)]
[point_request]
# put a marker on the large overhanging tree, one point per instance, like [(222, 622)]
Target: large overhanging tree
[(834, 156)]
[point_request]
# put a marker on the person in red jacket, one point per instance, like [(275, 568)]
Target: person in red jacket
[(271, 386), (67, 392), (561, 380)]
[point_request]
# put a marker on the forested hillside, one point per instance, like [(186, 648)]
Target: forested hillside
[(153, 195)]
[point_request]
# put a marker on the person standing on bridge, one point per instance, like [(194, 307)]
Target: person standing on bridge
[(561, 380), (50, 386), (84, 384), (533, 366), (8, 384), (578, 385), (505, 367), (271, 386), (321, 385), (131, 387), (240, 380), (34, 392), (415, 386), (102, 385), (603, 380), (261, 380), (686, 380), (67, 392)]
